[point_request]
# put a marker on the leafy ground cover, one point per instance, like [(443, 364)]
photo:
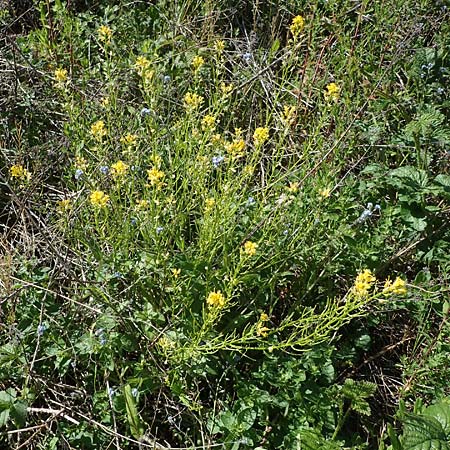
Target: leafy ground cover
[(224, 225)]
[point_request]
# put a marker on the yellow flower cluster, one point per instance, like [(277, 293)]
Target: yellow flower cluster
[(60, 75), (325, 192), (141, 65), (155, 176), (215, 300), (332, 92), (289, 115), (104, 33), (64, 205), (209, 204), (226, 89), (260, 136), (261, 329), (219, 47), (398, 286), (192, 101), (250, 248), (119, 169), (197, 62), (208, 123), (98, 129), (80, 163), (363, 283), (18, 171), (129, 139), (293, 187), (99, 199), (176, 272), (142, 204), (235, 148), (297, 25)]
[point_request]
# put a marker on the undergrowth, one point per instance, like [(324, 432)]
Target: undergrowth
[(223, 225)]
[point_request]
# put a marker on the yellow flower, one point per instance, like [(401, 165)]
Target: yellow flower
[(142, 204), (264, 317), (250, 248), (61, 75), (293, 187), (260, 136), (248, 170), (176, 272), (80, 163), (325, 192), (215, 299), (236, 148), (64, 205), (18, 171), (119, 169), (104, 33), (297, 25), (209, 204), (219, 47), (141, 65), (98, 129), (99, 199), (216, 139), (192, 101), (155, 176), (208, 123), (397, 287), (197, 62), (333, 92), (363, 283), (226, 89), (261, 329), (129, 139), (238, 132), (104, 102), (289, 114)]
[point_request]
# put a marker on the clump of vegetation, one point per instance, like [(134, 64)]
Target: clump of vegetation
[(224, 225)]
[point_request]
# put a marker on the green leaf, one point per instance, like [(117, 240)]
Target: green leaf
[(19, 413), (136, 428), (4, 416), (424, 433)]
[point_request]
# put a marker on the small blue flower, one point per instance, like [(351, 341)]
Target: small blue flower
[(134, 392), (146, 112), (104, 170), (247, 57), (166, 79), (159, 230), (117, 275), (78, 174), (41, 328), (440, 90), (133, 221), (250, 201), (111, 392), (377, 207), (216, 160), (102, 339)]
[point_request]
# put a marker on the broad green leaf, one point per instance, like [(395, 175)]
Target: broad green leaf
[(19, 413), (424, 433)]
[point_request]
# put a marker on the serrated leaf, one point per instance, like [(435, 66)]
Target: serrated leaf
[(441, 412), (424, 433)]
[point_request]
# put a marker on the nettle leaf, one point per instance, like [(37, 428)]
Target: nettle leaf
[(429, 431), (443, 183), (408, 176), (423, 433)]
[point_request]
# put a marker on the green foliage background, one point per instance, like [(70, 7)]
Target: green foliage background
[(108, 335)]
